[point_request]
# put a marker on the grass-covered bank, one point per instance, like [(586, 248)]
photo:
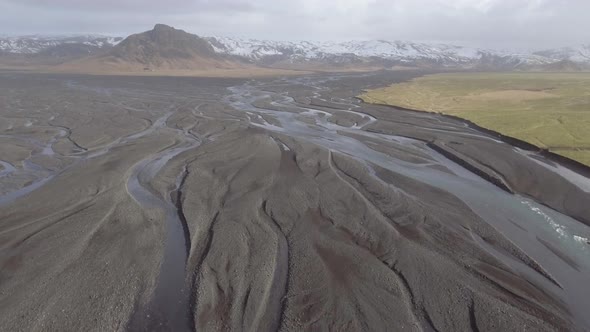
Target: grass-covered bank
[(549, 110)]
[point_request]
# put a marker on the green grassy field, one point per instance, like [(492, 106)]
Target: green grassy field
[(549, 110)]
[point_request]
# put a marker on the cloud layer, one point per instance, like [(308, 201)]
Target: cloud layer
[(494, 23)]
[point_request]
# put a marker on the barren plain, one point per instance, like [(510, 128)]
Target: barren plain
[(213, 204)]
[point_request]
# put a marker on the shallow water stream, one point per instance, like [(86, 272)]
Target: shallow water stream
[(521, 220)]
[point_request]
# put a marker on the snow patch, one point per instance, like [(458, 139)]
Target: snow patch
[(36, 44), (400, 51)]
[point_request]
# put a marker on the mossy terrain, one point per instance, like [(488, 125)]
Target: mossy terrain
[(549, 110)]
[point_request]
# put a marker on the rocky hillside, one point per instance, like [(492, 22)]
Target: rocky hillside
[(162, 48), (162, 44)]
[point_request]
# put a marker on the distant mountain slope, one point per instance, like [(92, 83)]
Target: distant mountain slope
[(163, 48), (575, 54), (43, 51), (258, 49), (167, 48), (376, 52), (87, 44), (559, 66), (163, 43)]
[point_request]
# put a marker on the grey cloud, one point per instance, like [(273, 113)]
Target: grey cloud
[(497, 23), (140, 6)]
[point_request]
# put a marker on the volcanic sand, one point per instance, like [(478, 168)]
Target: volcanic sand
[(298, 207)]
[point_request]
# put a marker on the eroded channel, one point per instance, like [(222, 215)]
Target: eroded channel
[(532, 227)]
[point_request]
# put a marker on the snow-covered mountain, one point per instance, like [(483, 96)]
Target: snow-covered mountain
[(40, 44), (392, 53), (372, 53), (575, 54), (257, 49)]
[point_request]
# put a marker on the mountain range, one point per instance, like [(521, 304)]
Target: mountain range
[(51, 44), (167, 48)]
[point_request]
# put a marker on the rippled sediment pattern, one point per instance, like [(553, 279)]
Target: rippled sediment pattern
[(275, 204)]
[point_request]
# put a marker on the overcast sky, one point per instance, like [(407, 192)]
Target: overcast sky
[(491, 23)]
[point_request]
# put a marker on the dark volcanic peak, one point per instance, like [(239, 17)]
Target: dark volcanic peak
[(162, 48), (164, 27), (162, 43)]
